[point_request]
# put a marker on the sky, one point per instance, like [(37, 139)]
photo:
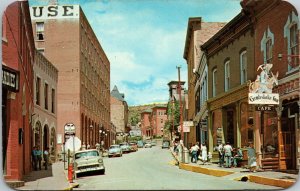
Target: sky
[(144, 40)]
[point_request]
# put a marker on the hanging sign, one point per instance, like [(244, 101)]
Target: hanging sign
[(260, 91)]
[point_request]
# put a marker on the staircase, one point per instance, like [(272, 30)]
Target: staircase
[(270, 163)]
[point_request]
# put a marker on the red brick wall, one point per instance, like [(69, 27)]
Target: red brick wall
[(275, 20), (18, 54)]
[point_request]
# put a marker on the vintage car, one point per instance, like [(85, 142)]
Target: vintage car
[(133, 146), (114, 150), (148, 144), (165, 144), (140, 144), (88, 161), (125, 147)]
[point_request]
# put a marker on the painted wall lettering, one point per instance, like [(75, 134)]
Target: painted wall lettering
[(54, 12)]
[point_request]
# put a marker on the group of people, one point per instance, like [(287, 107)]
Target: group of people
[(196, 150), (37, 158), (229, 156)]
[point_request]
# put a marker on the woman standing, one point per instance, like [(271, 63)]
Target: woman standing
[(251, 158), (204, 153)]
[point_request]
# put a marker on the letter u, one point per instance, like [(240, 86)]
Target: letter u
[(34, 11)]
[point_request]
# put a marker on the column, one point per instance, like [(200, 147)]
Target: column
[(210, 132), (257, 137), (279, 110), (238, 120), (297, 120)]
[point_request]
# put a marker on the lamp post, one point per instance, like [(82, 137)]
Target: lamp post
[(90, 137), (180, 101)]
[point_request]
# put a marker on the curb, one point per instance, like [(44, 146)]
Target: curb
[(71, 185), (252, 178)]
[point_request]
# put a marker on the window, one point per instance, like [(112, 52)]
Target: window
[(269, 49), (214, 81), (46, 96), (294, 49), (243, 66), (40, 30), (38, 91), (53, 101), (227, 76)]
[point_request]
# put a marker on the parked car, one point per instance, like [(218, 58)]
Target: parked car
[(153, 143), (133, 146), (148, 144), (165, 144), (125, 147), (115, 150), (88, 161), (140, 144)]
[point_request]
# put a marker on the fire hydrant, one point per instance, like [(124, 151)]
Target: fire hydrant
[(70, 172)]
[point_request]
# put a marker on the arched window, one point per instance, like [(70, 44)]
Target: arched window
[(227, 76), (243, 66), (214, 82)]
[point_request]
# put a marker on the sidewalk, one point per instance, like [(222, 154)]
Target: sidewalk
[(54, 178), (271, 178)]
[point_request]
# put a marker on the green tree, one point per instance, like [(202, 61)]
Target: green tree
[(173, 112)]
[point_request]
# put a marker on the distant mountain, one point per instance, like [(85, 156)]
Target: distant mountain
[(134, 115)]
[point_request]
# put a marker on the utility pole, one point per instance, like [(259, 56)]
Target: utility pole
[(180, 102)]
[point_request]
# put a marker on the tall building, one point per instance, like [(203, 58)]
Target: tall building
[(18, 54), (63, 34), (198, 32), (158, 119), (119, 110)]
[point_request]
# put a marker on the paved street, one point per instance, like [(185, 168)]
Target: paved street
[(152, 168)]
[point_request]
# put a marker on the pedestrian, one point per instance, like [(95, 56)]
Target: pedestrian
[(251, 157), (194, 150), (46, 158), (237, 157), (198, 152), (39, 158), (88, 146), (221, 154), (83, 146), (227, 155), (34, 158), (204, 153)]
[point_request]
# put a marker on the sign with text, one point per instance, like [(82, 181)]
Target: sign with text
[(265, 108), (54, 12), (188, 123), (263, 98), (10, 79)]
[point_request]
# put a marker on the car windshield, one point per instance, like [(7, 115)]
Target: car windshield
[(114, 147), (86, 154)]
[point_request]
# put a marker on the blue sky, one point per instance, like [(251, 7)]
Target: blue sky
[(144, 39)]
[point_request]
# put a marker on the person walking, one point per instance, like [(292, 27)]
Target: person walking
[(46, 158), (227, 155), (251, 158), (221, 154), (34, 158), (204, 153), (237, 157), (39, 158), (194, 150)]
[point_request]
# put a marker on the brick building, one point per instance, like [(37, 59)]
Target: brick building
[(228, 53), (158, 118), (198, 32), (119, 111), (276, 25), (83, 96), (146, 128), (44, 120), (18, 54)]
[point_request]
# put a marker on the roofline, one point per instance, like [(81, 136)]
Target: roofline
[(190, 28), (221, 32)]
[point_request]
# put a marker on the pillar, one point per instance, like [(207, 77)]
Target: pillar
[(210, 132), (257, 137), (279, 110), (238, 120)]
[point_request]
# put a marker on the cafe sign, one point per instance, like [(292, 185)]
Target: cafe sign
[(260, 91), (10, 79)]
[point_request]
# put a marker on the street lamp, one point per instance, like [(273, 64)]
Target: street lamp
[(90, 142)]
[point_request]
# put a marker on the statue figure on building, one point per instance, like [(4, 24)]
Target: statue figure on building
[(265, 81)]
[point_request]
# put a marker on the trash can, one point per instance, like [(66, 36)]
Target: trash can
[(186, 156)]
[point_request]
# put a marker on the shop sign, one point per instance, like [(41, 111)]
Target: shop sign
[(186, 129), (262, 98), (188, 123), (10, 79), (265, 108), (260, 91), (54, 12)]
